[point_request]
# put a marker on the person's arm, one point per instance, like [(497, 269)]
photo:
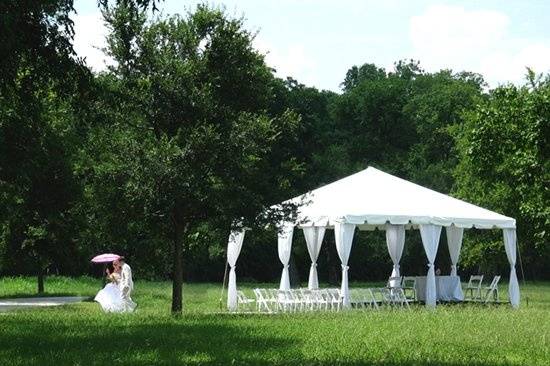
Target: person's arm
[(125, 285)]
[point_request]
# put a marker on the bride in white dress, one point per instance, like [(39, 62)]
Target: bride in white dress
[(110, 297)]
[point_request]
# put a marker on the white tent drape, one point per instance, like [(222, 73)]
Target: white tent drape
[(284, 248), (314, 239), (454, 242), (395, 239), (343, 234), (430, 240), (234, 246), (510, 240)]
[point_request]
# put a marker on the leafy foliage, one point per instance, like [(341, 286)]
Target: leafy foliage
[(504, 165)]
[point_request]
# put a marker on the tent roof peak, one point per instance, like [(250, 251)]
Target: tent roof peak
[(372, 196)]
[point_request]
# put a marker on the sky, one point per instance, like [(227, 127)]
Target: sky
[(317, 41)]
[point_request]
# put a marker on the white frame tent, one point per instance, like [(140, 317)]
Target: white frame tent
[(373, 199)]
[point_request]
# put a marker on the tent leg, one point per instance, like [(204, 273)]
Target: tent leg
[(223, 286)]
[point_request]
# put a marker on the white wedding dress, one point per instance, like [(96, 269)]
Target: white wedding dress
[(110, 299)]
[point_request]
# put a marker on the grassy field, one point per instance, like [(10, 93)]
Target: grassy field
[(451, 335)]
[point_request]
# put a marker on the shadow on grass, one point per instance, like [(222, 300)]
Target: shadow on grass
[(145, 341)]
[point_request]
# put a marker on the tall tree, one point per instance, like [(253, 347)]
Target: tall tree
[(505, 165), (189, 141), (43, 92), (436, 108), (38, 75)]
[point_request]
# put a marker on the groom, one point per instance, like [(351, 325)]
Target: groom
[(126, 284)]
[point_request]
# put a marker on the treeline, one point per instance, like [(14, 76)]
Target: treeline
[(155, 157)]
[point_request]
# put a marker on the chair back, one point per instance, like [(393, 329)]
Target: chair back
[(306, 293), (273, 294), (475, 281), (262, 292), (386, 295), (325, 295), (409, 282), (284, 295), (259, 294), (494, 283), (334, 294), (241, 296)]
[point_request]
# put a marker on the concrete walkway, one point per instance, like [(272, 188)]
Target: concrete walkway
[(28, 302)]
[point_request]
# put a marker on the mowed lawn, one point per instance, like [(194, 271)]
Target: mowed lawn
[(451, 335)]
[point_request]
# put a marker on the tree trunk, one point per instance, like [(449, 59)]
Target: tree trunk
[(177, 280), (40, 280)]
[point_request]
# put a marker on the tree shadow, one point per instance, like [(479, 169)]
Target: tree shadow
[(167, 342), (196, 340)]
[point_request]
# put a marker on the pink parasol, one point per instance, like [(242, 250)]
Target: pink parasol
[(105, 258)]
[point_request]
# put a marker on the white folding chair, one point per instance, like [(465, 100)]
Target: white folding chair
[(243, 302), (308, 299), (363, 298), (273, 298), (394, 297), (356, 298), (286, 301), (409, 286), (263, 302), (322, 299), (491, 291), (335, 299), (399, 299), (298, 299), (385, 296), (370, 299), (473, 288)]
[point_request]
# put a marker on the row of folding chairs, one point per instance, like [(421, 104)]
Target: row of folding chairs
[(475, 291), (374, 298), (273, 300), (405, 283), (299, 300)]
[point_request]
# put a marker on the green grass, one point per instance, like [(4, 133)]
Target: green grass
[(451, 335)]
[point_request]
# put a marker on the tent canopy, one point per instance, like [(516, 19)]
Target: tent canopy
[(372, 198)]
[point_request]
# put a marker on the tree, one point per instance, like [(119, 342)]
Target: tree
[(43, 93), (38, 74), (366, 72), (504, 165), (435, 108), (188, 140)]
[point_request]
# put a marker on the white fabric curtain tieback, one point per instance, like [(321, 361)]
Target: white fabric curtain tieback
[(345, 267), (314, 264), (430, 264), (285, 265)]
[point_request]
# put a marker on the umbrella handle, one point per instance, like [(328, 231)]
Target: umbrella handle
[(104, 278)]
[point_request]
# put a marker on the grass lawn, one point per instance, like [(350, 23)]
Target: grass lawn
[(83, 335)]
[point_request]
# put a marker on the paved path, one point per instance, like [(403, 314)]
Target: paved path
[(10, 304)]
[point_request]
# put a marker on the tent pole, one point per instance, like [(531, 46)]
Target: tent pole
[(223, 285), (522, 274), (521, 265)]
